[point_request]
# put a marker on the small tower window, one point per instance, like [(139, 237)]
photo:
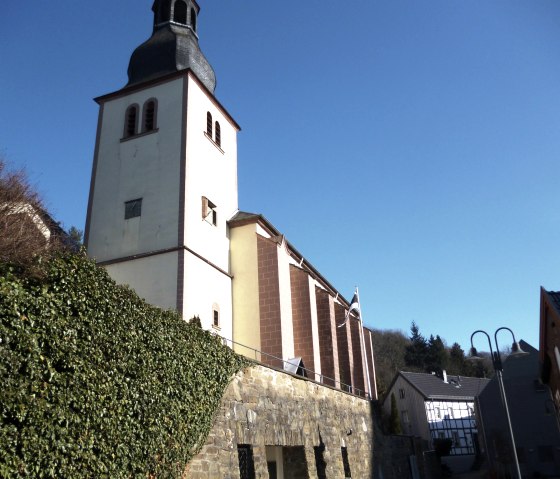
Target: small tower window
[(215, 316), (150, 113), (209, 211), (180, 12), (133, 208), (164, 13), (131, 121), (218, 139), (209, 124), (193, 19)]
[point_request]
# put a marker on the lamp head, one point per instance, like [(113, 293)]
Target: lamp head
[(517, 351), (473, 354)]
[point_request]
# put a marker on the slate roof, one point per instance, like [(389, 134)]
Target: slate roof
[(172, 47), (431, 386)]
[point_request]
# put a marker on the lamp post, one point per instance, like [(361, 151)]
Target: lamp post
[(497, 363)]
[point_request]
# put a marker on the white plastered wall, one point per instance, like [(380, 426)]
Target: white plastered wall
[(144, 167), (210, 172), (205, 287), (314, 328), (287, 326), (159, 287)]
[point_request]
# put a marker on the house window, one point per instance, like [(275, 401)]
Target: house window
[(180, 12), (345, 462), (131, 121), (456, 440), (193, 19), (401, 393), (209, 124), (246, 462), (133, 208), (209, 211), (149, 115), (405, 418), (437, 412), (218, 138)]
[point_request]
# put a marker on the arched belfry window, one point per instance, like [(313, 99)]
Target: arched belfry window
[(193, 19), (164, 13), (180, 12), (149, 115), (218, 138), (209, 124), (131, 121)]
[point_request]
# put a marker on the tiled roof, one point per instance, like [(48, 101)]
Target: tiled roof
[(429, 385)]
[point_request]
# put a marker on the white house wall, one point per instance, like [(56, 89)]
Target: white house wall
[(453, 420), (413, 404)]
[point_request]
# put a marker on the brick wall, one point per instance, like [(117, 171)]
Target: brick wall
[(328, 347), (301, 317), (269, 301)]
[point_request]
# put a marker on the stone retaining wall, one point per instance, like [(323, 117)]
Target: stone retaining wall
[(266, 407)]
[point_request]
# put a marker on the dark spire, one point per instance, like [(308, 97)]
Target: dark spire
[(173, 45)]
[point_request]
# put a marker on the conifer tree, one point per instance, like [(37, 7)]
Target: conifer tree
[(437, 357), (417, 350)]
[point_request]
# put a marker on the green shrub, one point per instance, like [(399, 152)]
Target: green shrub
[(96, 383)]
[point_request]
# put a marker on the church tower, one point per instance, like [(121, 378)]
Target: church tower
[(164, 179)]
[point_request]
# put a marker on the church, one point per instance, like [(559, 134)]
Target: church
[(163, 217)]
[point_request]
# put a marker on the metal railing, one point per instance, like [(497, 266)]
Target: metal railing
[(280, 364)]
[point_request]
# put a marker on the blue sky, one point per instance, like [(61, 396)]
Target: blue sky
[(409, 147)]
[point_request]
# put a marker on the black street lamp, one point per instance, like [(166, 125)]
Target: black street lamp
[(497, 363)]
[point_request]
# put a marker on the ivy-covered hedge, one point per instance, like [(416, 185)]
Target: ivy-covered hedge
[(96, 383)]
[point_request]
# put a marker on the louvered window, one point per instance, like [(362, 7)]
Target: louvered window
[(218, 138), (131, 121), (209, 124), (150, 111)]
